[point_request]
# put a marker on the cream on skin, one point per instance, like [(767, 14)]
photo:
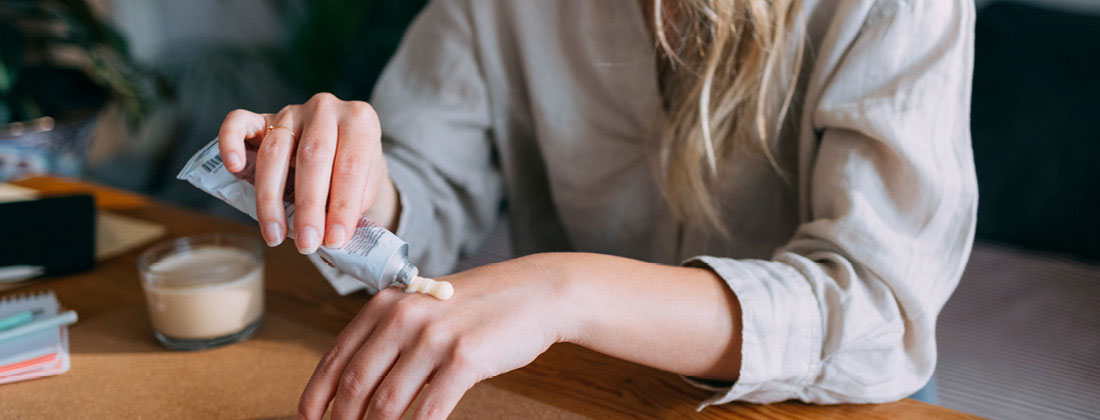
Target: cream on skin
[(679, 319), (438, 289)]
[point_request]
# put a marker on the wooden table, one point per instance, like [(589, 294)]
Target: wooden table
[(568, 378)]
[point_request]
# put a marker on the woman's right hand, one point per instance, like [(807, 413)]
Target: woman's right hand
[(339, 171)]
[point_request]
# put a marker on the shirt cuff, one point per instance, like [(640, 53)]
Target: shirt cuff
[(781, 331)]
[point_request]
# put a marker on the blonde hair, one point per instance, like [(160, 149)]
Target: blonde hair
[(733, 66)]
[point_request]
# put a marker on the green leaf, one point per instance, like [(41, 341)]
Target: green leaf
[(5, 113), (11, 58), (5, 79)]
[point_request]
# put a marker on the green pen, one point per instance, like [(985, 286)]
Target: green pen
[(16, 319), (64, 318)]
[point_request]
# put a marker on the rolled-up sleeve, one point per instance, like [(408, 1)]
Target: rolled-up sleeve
[(846, 311), (433, 106)]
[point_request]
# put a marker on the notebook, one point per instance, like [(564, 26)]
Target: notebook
[(37, 354)]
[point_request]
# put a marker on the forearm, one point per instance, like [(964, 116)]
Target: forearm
[(680, 319)]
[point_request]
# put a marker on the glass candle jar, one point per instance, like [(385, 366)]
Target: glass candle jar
[(204, 291)]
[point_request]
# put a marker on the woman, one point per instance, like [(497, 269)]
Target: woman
[(776, 197)]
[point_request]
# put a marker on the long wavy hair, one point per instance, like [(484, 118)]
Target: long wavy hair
[(728, 77)]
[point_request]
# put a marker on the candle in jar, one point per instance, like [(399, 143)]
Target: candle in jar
[(205, 292)]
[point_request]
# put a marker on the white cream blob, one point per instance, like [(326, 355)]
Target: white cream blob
[(438, 289)]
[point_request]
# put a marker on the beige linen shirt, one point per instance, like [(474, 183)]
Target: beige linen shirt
[(543, 109)]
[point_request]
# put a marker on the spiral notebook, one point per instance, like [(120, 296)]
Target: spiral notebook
[(38, 354)]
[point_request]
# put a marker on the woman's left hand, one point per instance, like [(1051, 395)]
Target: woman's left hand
[(501, 317)]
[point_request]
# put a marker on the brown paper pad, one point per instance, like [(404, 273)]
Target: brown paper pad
[(12, 192), (116, 234), (120, 371)]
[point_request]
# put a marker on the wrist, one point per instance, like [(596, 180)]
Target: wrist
[(562, 291)]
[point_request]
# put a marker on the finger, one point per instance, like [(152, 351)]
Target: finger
[(361, 377), (375, 357), (253, 142), (351, 174), (272, 164), (322, 385), (441, 396), (238, 126), (398, 389), (313, 171), (378, 180)]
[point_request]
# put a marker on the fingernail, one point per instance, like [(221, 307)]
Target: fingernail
[(336, 235), (308, 240), (232, 160), (273, 234)]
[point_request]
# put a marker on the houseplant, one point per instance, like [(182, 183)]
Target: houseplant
[(60, 64)]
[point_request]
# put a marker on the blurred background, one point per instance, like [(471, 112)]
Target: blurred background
[(122, 92), (131, 88)]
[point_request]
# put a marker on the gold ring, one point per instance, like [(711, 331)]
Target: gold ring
[(272, 127)]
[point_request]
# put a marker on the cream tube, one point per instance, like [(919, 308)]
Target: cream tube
[(374, 255)]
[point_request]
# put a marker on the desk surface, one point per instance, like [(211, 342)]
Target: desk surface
[(567, 378)]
